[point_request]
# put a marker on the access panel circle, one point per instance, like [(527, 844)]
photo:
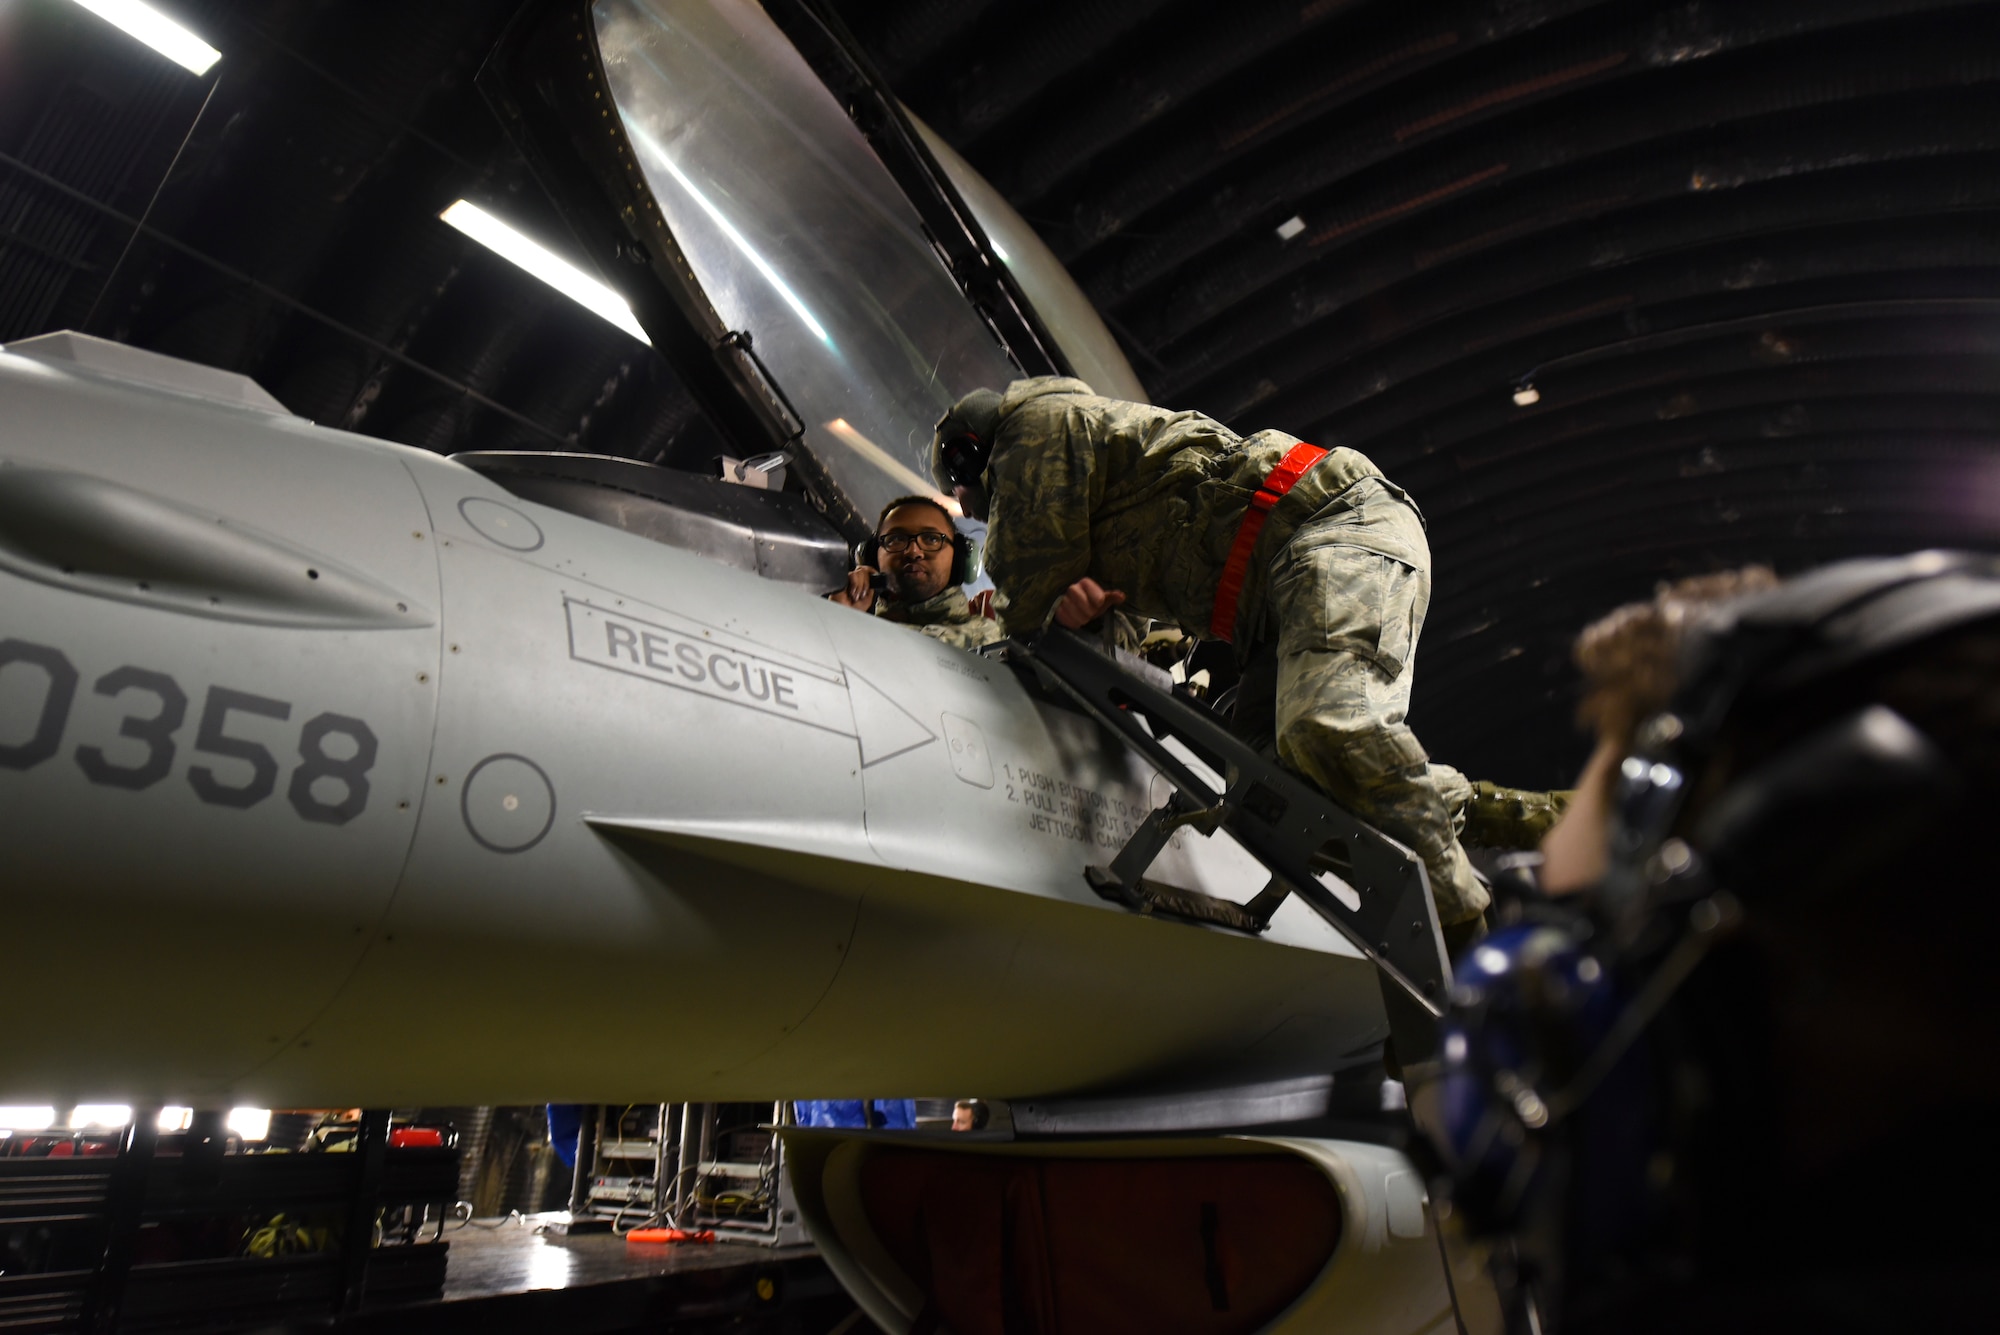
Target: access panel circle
[(501, 524), (508, 803)]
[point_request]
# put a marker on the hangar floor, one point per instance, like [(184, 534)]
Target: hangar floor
[(512, 1278)]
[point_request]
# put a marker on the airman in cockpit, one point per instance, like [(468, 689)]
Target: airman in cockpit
[(920, 561)]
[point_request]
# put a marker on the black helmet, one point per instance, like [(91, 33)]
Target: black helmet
[(964, 440), (1619, 1098)]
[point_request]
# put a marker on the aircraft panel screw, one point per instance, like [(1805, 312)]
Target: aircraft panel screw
[(440, 779), (423, 676)]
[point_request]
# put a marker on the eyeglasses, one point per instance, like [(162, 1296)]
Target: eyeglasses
[(896, 542)]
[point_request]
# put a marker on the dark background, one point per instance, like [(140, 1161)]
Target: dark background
[(1745, 251)]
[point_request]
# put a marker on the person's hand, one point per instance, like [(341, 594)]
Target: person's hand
[(1085, 601), (858, 594)]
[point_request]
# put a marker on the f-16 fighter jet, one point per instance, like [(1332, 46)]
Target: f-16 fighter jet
[(304, 734)]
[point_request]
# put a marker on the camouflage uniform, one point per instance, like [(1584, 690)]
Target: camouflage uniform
[(1149, 502), (948, 617)]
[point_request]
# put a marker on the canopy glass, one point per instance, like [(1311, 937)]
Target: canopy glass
[(798, 235)]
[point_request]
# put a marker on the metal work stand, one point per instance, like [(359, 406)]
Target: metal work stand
[(621, 1176), (772, 1223), (1287, 825), (688, 1175)]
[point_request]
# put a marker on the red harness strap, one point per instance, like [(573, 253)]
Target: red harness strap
[(1276, 483)]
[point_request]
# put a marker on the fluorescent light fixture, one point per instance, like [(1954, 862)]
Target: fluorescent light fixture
[(250, 1123), (845, 433), (158, 31), (1291, 227), (99, 1114), (544, 264), (1527, 396), (651, 147), (175, 1119), (998, 253), (27, 1118)]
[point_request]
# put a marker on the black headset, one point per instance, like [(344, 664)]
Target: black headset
[(867, 552), (1578, 985), (1765, 646)]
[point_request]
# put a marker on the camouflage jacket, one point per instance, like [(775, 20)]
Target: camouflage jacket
[(948, 616), (1137, 498)]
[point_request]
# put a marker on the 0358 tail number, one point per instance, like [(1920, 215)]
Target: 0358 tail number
[(159, 709)]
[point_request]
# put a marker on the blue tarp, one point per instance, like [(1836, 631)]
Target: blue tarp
[(894, 1114), (564, 1121)]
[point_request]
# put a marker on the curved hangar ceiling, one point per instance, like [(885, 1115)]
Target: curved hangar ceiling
[(1740, 258), (1743, 254)]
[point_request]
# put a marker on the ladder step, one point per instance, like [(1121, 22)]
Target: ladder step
[(1167, 901)]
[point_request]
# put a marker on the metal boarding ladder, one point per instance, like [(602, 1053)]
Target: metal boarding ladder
[(1279, 819)]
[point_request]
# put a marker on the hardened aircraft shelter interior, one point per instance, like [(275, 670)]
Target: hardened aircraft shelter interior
[(460, 872)]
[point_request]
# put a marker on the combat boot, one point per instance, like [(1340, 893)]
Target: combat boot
[(1498, 817)]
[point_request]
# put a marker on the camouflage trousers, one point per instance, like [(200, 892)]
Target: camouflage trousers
[(1345, 603)]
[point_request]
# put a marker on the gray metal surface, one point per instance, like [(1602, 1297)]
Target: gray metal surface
[(1314, 849), (770, 533), (1270, 1104), (289, 860), (150, 368)]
